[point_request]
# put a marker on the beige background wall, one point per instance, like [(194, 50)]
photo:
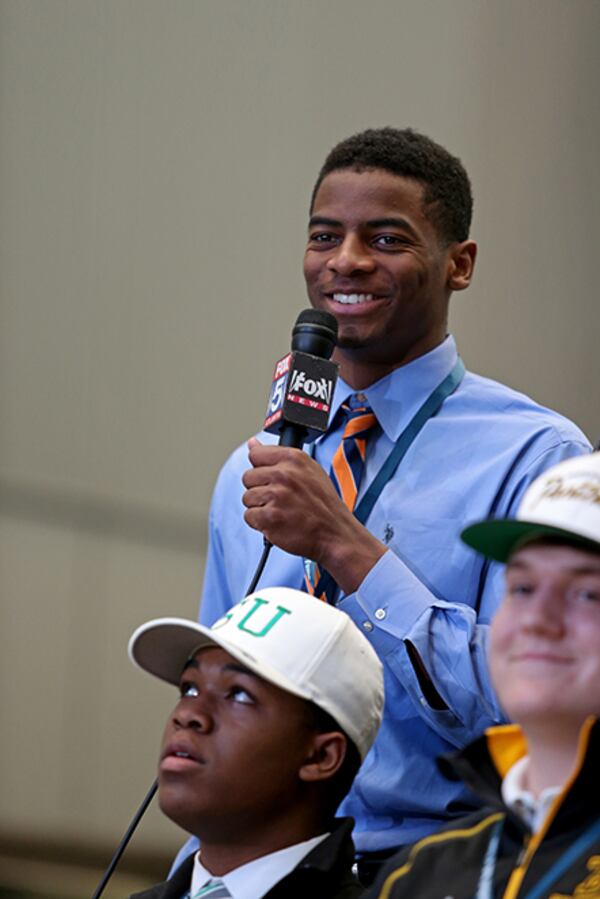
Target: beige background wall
[(155, 165)]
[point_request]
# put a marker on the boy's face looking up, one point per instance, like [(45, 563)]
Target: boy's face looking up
[(237, 751), (545, 638)]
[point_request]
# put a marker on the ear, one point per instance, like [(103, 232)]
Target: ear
[(326, 755), (461, 263)]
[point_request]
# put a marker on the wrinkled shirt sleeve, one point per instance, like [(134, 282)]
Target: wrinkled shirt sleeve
[(450, 637)]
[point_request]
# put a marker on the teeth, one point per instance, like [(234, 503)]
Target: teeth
[(351, 299), (182, 755)]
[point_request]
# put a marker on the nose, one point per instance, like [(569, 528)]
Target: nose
[(193, 713), (350, 256), (545, 612)]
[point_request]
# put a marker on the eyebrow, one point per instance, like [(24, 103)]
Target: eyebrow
[(239, 669), (387, 222), (191, 663), (236, 667), (323, 220), (391, 222)]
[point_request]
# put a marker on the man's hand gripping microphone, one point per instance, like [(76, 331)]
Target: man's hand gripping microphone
[(302, 390)]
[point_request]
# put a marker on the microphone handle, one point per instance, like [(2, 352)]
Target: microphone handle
[(293, 435)]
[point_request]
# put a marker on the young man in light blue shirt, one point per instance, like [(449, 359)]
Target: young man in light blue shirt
[(388, 243)]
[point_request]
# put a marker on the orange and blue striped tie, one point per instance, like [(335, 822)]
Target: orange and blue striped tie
[(347, 467)]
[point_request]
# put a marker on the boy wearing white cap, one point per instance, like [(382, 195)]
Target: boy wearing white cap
[(540, 833), (279, 703)]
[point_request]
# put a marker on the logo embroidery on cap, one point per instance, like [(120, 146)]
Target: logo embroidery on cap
[(557, 489), (242, 624)]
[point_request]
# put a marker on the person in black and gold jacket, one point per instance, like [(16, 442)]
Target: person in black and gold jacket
[(538, 836)]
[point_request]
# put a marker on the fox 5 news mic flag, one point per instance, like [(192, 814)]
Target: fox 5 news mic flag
[(304, 381)]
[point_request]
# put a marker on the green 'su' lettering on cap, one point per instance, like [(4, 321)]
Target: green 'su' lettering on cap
[(281, 611)]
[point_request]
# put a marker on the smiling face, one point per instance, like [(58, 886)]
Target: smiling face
[(545, 638), (375, 260), (233, 751)]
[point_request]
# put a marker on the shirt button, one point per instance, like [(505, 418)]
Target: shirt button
[(361, 397), (367, 625), (380, 614)]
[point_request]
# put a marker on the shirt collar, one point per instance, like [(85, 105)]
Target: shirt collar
[(254, 879), (531, 809), (396, 398)]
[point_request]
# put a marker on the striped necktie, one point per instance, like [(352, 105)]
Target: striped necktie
[(346, 471), (214, 889)]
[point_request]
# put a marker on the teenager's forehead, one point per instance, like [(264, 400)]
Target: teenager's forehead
[(560, 553), (221, 658)]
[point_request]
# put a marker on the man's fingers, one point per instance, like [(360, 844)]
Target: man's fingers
[(256, 477), (257, 497), (259, 454), (269, 520)]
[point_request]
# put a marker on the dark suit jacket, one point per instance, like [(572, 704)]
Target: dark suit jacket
[(325, 873)]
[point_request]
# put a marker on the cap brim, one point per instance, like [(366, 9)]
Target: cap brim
[(162, 647), (498, 539)]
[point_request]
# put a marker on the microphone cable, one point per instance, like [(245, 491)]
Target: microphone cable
[(127, 836), (315, 334)]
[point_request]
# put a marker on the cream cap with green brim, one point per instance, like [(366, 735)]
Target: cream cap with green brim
[(563, 504)]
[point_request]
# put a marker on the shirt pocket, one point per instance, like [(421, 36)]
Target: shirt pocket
[(433, 551)]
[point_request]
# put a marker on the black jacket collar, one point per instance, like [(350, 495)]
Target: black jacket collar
[(326, 870), (477, 766)]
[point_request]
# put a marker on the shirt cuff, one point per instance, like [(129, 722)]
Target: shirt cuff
[(392, 598)]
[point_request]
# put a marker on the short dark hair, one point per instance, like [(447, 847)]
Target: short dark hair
[(339, 785), (405, 152)]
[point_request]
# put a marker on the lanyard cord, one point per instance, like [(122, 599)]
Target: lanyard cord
[(581, 844), (429, 408), (485, 887)]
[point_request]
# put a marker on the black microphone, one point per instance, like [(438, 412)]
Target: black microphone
[(301, 393), (303, 381)]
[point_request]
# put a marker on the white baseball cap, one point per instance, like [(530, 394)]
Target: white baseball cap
[(290, 639), (563, 503)]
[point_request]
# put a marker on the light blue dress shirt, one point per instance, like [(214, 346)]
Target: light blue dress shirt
[(472, 460)]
